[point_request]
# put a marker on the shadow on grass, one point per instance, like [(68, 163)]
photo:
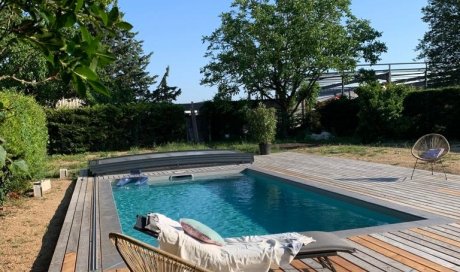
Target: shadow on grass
[(51, 236)]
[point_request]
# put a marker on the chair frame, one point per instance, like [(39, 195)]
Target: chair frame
[(139, 256), (434, 160)]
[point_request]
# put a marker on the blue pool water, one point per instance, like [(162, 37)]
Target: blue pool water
[(245, 204)]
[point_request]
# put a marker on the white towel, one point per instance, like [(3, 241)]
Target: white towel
[(247, 253)]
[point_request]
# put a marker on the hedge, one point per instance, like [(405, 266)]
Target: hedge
[(24, 130), (339, 116), (224, 120), (109, 127), (434, 110), (395, 113)]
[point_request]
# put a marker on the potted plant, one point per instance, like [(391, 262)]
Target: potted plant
[(262, 127)]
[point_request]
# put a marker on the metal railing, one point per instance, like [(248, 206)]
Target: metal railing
[(409, 73)]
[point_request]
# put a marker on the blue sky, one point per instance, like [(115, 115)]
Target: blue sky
[(173, 30)]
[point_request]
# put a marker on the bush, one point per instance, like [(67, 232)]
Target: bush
[(380, 114), (224, 118), (339, 116), (434, 110), (262, 124), (24, 130), (108, 127)]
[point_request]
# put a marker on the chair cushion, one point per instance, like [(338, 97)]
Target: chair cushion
[(201, 232), (432, 153)]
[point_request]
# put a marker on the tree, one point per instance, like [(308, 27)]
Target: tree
[(440, 45), (270, 48), (163, 92), (65, 33), (126, 77)]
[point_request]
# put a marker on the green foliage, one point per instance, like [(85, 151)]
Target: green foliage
[(212, 113), (269, 48), (109, 127), (12, 173), (380, 113), (440, 45), (24, 130), (262, 124), (434, 110), (163, 92), (127, 77), (65, 33), (339, 116)]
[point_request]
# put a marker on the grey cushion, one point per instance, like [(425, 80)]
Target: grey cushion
[(326, 244)]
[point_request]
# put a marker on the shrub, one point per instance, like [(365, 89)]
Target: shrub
[(24, 130), (109, 127), (262, 124), (380, 113), (339, 116), (434, 110), (224, 118)]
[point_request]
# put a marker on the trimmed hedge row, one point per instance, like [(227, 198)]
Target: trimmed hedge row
[(394, 114), (434, 110), (109, 127), (339, 116), (224, 120), (24, 130)]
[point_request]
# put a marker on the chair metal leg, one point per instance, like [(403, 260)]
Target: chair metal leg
[(326, 263), (432, 168), (414, 169), (443, 169)]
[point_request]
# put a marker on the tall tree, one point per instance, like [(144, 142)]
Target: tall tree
[(272, 48), (165, 93), (65, 33), (126, 78), (440, 45)]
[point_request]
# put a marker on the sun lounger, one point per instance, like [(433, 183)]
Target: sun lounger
[(325, 245)]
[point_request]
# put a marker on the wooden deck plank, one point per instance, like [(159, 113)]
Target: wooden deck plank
[(377, 259), (421, 251), (85, 228), (437, 236), (74, 237), (448, 231), (97, 225), (69, 262), (406, 254), (59, 251), (389, 251), (339, 261), (301, 266), (428, 242), (366, 266), (108, 222), (314, 265)]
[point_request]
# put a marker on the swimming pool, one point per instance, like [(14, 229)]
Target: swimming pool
[(248, 203)]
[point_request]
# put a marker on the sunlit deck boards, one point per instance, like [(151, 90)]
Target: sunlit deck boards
[(90, 217), (421, 248), (429, 248)]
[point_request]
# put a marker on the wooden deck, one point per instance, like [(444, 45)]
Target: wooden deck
[(420, 247)]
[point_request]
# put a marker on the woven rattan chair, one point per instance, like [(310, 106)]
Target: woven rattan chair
[(140, 256), (430, 148)]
